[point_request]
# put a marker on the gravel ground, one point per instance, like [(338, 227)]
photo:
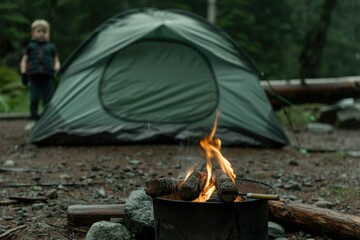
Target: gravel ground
[(325, 172)]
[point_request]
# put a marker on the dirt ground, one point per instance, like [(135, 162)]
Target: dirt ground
[(326, 171)]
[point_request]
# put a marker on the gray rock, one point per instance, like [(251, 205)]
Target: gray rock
[(52, 194), (320, 127), (139, 215), (354, 154), (275, 230), (101, 193), (293, 185), (324, 204), (348, 118), (135, 162), (108, 231), (9, 163), (38, 206)]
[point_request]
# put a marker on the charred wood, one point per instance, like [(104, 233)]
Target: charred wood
[(192, 187), (194, 184), (226, 188)]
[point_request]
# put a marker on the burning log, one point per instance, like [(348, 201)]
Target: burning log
[(161, 186), (194, 184), (314, 219), (225, 187)]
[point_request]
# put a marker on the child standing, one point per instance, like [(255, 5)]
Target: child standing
[(38, 66)]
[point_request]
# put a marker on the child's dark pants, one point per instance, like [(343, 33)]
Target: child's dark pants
[(41, 87)]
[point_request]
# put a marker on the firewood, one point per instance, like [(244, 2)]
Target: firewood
[(161, 186), (89, 214), (317, 220), (226, 188), (193, 185), (214, 197)]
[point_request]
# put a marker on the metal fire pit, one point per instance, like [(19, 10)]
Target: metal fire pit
[(183, 220)]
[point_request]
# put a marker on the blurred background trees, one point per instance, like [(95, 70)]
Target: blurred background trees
[(285, 38)]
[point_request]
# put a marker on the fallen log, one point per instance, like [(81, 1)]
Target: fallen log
[(316, 220), (226, 188), (324, 90), (88, 214)]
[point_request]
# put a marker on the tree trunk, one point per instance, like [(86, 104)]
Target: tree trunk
[(315, 39), (211, 11)]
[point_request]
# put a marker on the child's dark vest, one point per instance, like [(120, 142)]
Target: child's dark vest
[(40, 58)]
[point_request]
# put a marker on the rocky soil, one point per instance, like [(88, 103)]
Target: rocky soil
[(324, 172)]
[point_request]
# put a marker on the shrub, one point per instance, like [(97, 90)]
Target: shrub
[(13, 95)]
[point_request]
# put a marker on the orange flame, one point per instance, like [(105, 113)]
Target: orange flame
[(212, 147)]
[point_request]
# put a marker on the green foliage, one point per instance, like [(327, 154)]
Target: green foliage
[(344, 191), (298, 115), (263, 29), (13, 96)]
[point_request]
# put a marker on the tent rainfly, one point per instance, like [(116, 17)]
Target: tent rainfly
[(149, 75)]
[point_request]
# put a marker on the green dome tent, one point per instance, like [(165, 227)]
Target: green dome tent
[(150, 75)]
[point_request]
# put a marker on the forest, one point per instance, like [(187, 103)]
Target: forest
[(286, 39)]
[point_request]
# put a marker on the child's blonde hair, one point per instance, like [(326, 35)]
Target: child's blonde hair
[(42, 23)]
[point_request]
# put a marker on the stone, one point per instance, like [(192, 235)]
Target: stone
[(135, 162), (343, 114), (139, 215), (37, 206), (9, 163), (275, 230), (101, 193), (108, 231), (320, 128), (323, 204), (354, 154), (52, 194), (348, 118), (293, 185)]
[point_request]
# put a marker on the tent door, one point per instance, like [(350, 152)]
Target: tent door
[(159, 81)]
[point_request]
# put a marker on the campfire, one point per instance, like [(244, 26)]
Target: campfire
[(207, 203), (209, 180)]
